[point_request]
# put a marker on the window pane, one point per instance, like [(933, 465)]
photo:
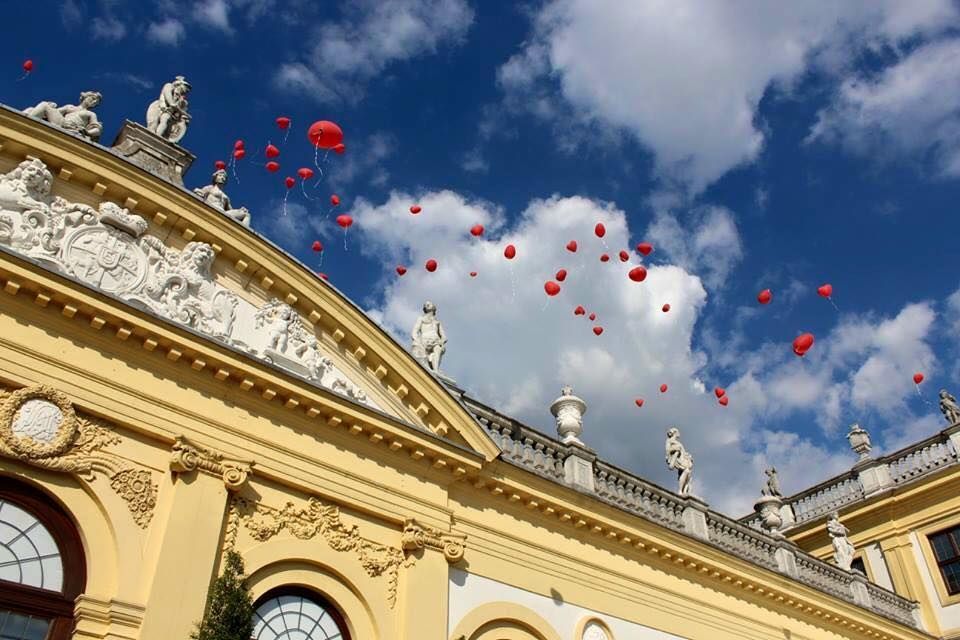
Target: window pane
[(294, 618), (15, 626), (28, 553), (942, 547), (951, 575)]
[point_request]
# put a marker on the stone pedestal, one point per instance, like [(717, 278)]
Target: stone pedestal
[(873, 475), (695, 518), (770, 519), (149, 151), (578, 468)]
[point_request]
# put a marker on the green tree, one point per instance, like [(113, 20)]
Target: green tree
[(229, 612)]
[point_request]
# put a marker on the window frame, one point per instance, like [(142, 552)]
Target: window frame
[(27, 600), (305, 592), (948, 532), (930, 561)]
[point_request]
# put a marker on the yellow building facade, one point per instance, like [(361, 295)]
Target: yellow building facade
[(903, 512), (175, 386)]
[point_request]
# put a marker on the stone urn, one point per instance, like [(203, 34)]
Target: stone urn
[(568, 410), (769, 509), (860, 441)]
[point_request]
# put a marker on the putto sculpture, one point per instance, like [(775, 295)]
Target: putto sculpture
[(772, 487), (949, 407), (679, 460), (167, 115), (843, 549), (429, 341), (214, 195), (79, 118)]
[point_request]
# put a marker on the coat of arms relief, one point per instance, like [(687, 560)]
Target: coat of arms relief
[(109, 249)]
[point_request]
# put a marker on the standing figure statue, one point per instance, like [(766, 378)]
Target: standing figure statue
[(79, 118), (679, 460), (214, 195), (949, 407), (843, 549), (772, 487), (429, 338), (167, 115)]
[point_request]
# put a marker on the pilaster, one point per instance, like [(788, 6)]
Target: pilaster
[(425, 594), (898, 553)]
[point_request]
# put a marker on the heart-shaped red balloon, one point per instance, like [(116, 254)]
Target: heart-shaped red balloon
[(592, 317), (764, 297), (561, 275), (344, 221), (283, 122), (510, 252), (219, 164), (415, 209), (273, 167), (317, 245), (476, 230), (289, 182), (335, 200), (579, 311), (305, 173), (473, 274), (719, 392), (663, 388), (600, 230), (638, 274), (551, 287), (238, 154), (401, 270), (340, 149), (638, 402), (431, 265), (238, 145), (597, 331), (624, 256), (572, 246), (645, 248), (323, 275), (802, 343), (825, 290), (917, 378), (724, 400), (666, 307), (604, 257), (271, 151)]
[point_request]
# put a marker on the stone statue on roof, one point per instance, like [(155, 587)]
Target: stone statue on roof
[(843, 549), (772, 488), (949, 407), (679, 460), (429, 341), (79, 118), (167, 115), (214, 195)]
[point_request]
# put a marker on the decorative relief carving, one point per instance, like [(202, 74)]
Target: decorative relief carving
[(319, 519), (418, 536), (39, 426), (188, 457), (109, 249)]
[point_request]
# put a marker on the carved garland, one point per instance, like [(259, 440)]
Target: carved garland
[(39, 426)]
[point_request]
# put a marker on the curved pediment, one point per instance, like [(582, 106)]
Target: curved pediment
[(214, 276)]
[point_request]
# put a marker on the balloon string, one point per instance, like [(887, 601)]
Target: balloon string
[(23, 77), (303, 191), (837, 309), (316, 156), (285, 196), (921, 395), (545, 305), (320, 266), (286, 133), (233, 169), (513, 283), (345, 240)]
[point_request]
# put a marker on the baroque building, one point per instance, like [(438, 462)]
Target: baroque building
[(174, 386)]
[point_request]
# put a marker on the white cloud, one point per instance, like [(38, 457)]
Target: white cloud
[(373, 35), (909, 108), (214, 14), (474, 162), (707, 242), (169, 31), (71, 15), (108, 27), (686, 79)]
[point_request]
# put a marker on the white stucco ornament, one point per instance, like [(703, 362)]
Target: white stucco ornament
[(39, 420), (109, 249), (569, 410)]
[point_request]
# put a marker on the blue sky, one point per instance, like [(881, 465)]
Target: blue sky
[(767, 146)]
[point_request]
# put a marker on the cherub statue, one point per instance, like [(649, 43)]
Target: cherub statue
[(843, 549), (167, 115), (429, 338), (679, 460), (79, 119), (214, 195), (949, 407), (772, 487)]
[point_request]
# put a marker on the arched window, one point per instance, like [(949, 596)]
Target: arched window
[(42, 568), (296, 614)]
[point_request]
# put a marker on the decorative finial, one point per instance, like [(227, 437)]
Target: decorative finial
[(569, 410), (860, 441)]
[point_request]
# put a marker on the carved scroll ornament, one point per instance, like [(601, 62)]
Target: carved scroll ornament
[(418, 536), (188, 457)]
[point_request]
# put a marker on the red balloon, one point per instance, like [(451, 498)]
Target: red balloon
[(645, 248), (28, 65), (238, 145), (473, 274), (825, 290), (720, 392), (344, 220), (325, 134), (604, 258), (289, 182), (273, 167), (592, 317), (323, 275), (638, 402), (802, 343), (271, 151), (305, 173), (551, 287), (561, 275), (638, 274), (764, 297), (317, 245), (600, 230), (510, 252), (335, 200), (401, 270), (238, 154), (917, 378), (476, 230), (415, 209), (340, 149), (431, 265), (572, 246), (579, 311), (666, 307), (663, 388), (624, 256), (597, 331), (283, 122), (219, 164), (724, 401)]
